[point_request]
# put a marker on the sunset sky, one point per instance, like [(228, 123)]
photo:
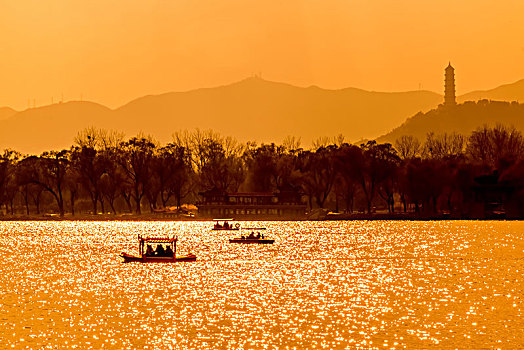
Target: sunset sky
[(112, 51)]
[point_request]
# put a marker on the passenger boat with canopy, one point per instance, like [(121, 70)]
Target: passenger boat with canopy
[(253, 238), (165, 251), (226, 226)]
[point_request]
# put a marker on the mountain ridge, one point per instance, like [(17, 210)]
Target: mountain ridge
[(507, 92), (249, 109)]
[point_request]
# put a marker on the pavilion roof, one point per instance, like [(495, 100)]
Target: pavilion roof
[(251, 194)]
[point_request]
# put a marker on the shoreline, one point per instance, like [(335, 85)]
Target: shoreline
[(329, 217)]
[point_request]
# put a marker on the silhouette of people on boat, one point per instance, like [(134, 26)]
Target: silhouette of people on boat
[(252, 235), (169, 251), (149, 250), (165, 251), (225, 226), (160, 251)]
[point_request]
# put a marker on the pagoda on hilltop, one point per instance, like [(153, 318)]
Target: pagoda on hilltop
[(449, 86)]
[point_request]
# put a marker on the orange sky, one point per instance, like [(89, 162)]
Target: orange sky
[(112, 51)]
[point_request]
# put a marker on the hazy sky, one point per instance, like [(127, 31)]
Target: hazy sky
[(112, 51)]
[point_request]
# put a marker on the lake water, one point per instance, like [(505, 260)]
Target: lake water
[(386, 284)]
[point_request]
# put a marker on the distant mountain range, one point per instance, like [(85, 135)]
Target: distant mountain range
[(252, 109)]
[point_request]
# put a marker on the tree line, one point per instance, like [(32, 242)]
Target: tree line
[(103, 172)]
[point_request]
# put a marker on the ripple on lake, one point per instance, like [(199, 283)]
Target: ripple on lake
[(322, 284)]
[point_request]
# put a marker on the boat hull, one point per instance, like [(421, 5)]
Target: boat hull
[(153, 259), (252, 241), (226, 229)]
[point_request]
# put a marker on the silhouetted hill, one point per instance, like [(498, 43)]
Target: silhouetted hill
[(252, 109), (6, 112), (508, 92), (255, 109), (464, 118), (51, 127)]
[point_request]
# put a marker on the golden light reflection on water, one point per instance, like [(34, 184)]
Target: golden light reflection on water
[(321, 285)]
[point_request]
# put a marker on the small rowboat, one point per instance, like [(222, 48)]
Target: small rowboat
[(226, 226), (161, 255), (252, 241), (252, 238), (148, 259)]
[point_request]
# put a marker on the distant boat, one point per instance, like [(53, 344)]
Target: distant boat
[(252, 241), (253, 238), (161, 254), (226, 226)]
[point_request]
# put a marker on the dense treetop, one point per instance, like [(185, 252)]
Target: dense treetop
[(104, 172)]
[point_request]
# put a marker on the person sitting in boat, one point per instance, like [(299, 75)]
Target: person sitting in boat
[(252, 234), (160, 250), (169, 251), (226, 225), (217, 226), (149, 250), (258, 235)]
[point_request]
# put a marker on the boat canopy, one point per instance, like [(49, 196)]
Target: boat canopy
[(223, 219), (157, 239)]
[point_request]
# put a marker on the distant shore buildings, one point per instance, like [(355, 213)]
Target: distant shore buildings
[(449, 86), (283, 204)]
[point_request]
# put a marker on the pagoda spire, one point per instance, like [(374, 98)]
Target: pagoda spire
[(449, 86)]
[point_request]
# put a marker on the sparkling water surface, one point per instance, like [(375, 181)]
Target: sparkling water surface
[(324, 284)]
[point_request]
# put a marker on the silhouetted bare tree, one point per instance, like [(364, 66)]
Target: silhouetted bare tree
[(408, 147), (50, 173), (373, 167), (498, 147), (262, 163), (447, 145), (8, 182), (113, 180), (135, 158), (318, 173), (171, 170), (25, 171), (88, 168)]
